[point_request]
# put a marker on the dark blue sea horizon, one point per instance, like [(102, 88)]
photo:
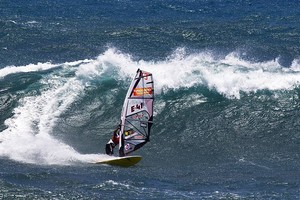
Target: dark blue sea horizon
[(60, 31)]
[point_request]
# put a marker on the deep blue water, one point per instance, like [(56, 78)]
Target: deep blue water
[(227, 77), (41, 31)]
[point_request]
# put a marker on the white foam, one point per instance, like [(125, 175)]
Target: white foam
[(229, 76), (296, 65), (38, 67), (27, 68)]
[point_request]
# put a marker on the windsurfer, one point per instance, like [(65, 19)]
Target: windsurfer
[(114, 141)]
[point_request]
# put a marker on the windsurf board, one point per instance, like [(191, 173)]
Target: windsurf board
[(125, 161)]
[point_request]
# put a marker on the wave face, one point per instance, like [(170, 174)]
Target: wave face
[(227, 105)]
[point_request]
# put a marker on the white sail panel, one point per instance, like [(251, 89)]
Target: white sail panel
[(137, 113)]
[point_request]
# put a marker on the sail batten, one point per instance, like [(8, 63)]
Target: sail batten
[(137, 113)]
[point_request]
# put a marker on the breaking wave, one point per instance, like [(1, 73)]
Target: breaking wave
[(29, 135)]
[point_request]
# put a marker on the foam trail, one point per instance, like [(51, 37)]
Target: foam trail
[(28, 136)]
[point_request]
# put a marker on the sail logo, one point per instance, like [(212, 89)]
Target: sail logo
[(138, 92), (136, 107), (138, 116)]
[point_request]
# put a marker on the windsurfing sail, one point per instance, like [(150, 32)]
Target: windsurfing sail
[(137, 113)]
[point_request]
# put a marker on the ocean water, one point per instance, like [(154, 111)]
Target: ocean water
[(227, 92)]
